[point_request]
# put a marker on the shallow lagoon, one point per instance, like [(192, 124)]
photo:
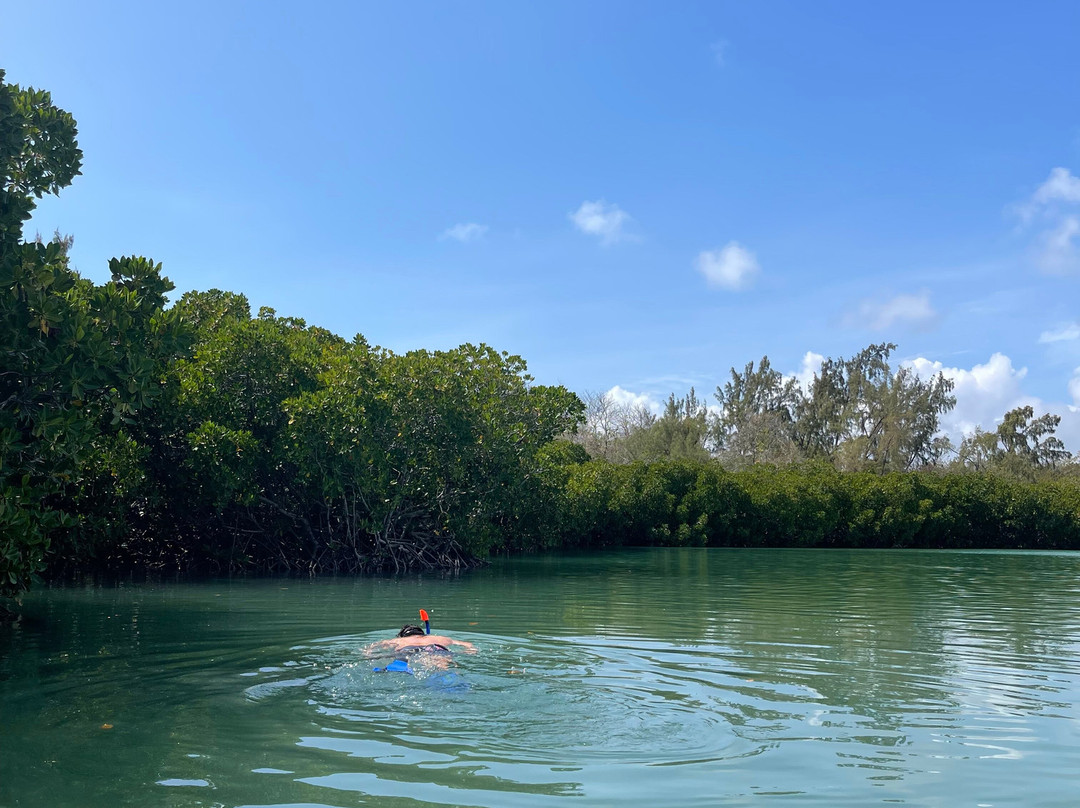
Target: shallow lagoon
[(645, 677)]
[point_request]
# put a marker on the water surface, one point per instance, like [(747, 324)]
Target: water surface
[(640, 678)]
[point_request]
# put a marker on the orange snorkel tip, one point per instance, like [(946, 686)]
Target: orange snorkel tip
[(427, 623)]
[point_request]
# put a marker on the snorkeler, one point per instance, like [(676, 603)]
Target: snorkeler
[(414, 646), (412, 640)]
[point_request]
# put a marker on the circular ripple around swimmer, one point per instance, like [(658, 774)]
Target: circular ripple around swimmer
[(555, 701), (599, 703)]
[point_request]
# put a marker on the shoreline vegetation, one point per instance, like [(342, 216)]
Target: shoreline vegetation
[(196, 436)]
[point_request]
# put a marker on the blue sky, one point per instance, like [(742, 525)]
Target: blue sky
[(626, 194)]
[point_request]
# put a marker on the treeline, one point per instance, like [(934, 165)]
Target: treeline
[(688, 503), (200, 436), (281, 446), (857, 414)]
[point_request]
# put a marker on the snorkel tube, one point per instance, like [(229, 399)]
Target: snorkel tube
[(427, 623)]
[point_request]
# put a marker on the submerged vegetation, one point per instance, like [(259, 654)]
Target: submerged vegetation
[(200, 436)]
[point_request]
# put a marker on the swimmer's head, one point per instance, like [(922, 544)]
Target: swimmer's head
[(409, 630)]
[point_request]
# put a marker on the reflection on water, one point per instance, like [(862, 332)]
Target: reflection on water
[(638, 678)]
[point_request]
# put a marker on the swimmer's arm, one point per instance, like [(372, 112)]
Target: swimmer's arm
[(468, 646), (379, 647)]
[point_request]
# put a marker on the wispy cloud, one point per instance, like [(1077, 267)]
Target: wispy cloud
[(1067, 332), (730, 267), (1060, 186), (1074, 390), (465, 232), (912, 310), (603, 220), (1059, 253), (1055, 204)]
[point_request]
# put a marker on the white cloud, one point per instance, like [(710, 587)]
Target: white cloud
[(625, 398), (903, 309), (808, 369), (1060, 186), (601, 219), (983, 394), (465, 232), (730, 267), (1058, 253), (811, 366), (1063, 334)]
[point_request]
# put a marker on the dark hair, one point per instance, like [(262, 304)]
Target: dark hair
[(409, 630)]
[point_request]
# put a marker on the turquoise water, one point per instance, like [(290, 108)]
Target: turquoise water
[(639, 678)]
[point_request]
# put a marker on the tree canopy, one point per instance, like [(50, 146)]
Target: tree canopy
[(79, 360), (860, 414)]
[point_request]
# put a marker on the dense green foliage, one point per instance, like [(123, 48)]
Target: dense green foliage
[(78, 360), (281, 446), (811, 505)]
